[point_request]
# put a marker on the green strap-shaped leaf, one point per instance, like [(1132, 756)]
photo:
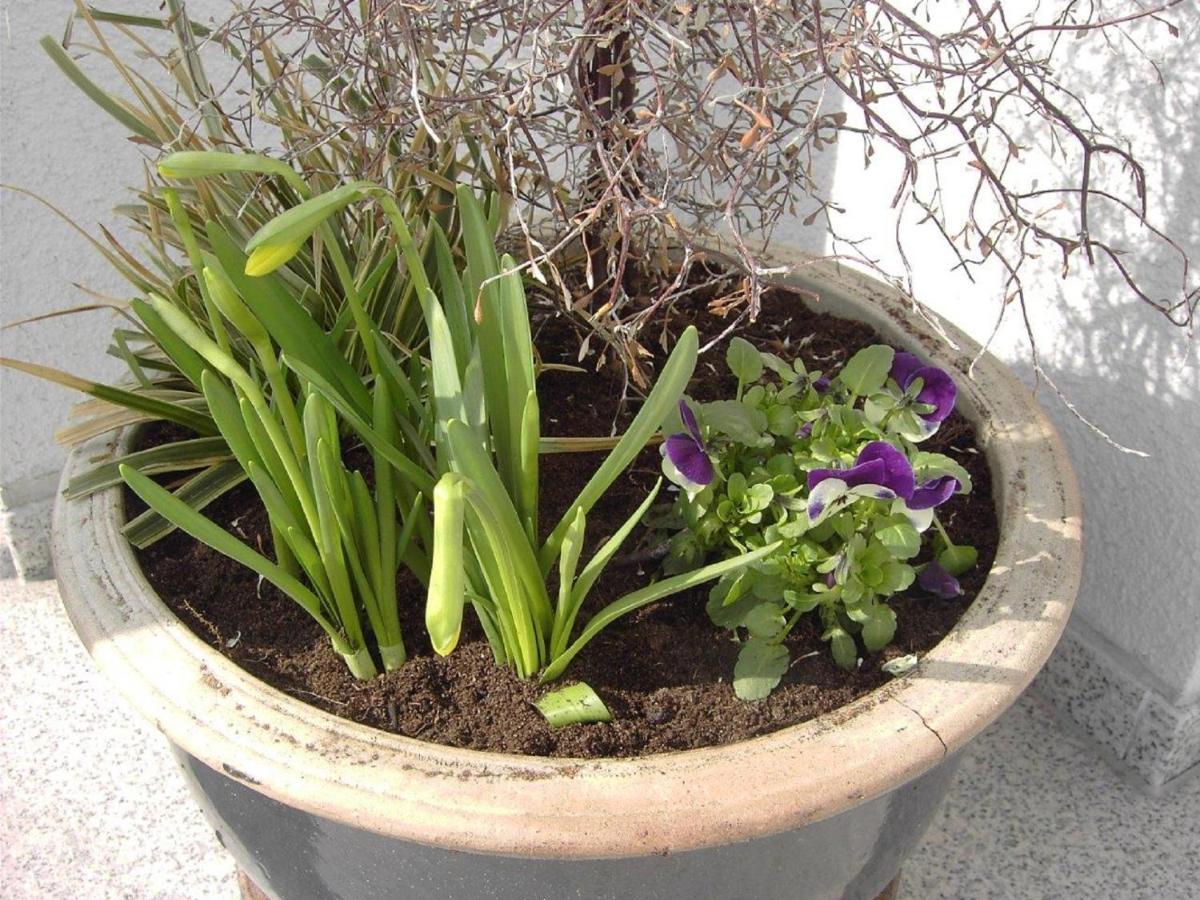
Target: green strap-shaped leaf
[(592, 571), (197, 492), (664, 398), (568, 561), (472, 461), (454, 298), (289, 324), (647, 595), (188, 164), (208, 532), (418, 477), (447, 585)]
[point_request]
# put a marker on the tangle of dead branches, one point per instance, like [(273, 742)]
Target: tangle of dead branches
[(630, 127)]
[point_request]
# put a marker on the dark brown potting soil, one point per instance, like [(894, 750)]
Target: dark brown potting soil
[(664, 671)]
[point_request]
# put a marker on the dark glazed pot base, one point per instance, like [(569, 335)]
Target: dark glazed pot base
[(251, 891), (284, 853)]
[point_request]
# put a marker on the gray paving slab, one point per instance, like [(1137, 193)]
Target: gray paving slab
[(1035, 812), (91, 806)]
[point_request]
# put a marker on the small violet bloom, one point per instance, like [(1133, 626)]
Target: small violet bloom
[(687, 454), (938, 388), (878, 463), (937, 581), (932, 493), (881, 464)]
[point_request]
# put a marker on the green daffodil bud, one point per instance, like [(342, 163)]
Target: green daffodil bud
[(282, 237), (266, 259), (189, 164), (447, 585)]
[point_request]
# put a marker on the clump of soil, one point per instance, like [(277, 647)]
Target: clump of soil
[(663, 672)]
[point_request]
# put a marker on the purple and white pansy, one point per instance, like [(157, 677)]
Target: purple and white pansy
[(879, 464), (685, 456), (880, 472), (937, 388)]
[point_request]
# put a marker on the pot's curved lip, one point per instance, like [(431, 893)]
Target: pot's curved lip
[(516, 805)]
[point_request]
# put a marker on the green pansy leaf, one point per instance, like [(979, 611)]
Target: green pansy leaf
[(896, 577), (957, 559), (899, 537), (867, 370), (781, 420), (744, 360), (928, 466), (730, 615), (766, 620), (760, 667), (743, 423), (879, 629), (908, 424), (845, 652), (802, 602)]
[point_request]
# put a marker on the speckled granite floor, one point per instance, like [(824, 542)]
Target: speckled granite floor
[(1035, 813)]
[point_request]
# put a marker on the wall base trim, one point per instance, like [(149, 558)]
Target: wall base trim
[(25, 540), (1138, 728)]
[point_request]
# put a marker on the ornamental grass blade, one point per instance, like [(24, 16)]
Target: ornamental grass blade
[(179, 456), (647, 595), (120, 18), (157, 409), (118, 109), (572, 705)]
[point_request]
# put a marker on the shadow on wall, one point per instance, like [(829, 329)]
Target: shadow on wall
[(1137, 376)]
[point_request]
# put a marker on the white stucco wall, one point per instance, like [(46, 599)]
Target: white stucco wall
[(1122, 366), (55, 143)]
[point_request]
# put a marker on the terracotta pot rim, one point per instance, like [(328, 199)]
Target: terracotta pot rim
[(535, 806)]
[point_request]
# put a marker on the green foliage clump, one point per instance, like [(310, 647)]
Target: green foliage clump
[(830, 470)]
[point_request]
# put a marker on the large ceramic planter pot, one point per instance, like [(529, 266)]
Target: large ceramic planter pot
[(314, 807)]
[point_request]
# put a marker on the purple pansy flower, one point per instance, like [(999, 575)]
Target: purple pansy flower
[(687, 454), (938, 389), (878, 463), (937, 581), (821, 385), (933, 493), (881, 464)]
